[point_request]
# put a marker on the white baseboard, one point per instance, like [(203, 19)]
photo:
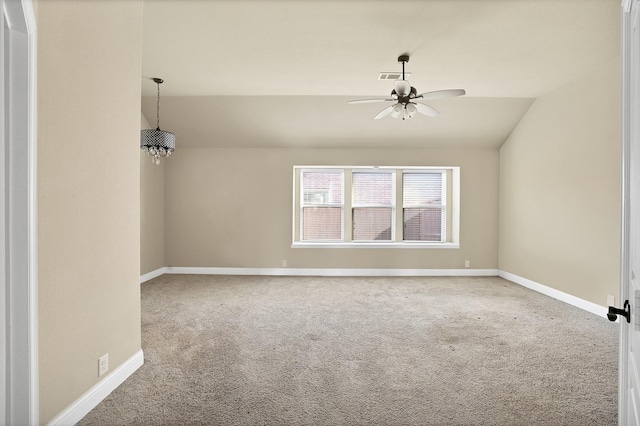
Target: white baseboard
[(87, 402), (556, 294), (153, 274), (333, 272)]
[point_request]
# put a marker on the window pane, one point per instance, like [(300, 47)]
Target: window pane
[(322, 187), (425, 224), (373, 189), (420, 189), (370, 224), (322, 223)]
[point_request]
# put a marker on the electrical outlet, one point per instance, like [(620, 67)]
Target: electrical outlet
[(611, 300), (467, 263), (103, 364), (284, 263)]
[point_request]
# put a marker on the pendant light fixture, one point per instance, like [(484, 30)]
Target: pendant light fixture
[(158, 143)]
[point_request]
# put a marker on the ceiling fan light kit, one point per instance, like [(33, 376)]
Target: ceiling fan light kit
[(406, 96), (158, 143)]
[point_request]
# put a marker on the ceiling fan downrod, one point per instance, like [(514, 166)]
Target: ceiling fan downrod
[(403, 59)]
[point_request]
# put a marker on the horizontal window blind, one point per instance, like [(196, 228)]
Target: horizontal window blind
[(321, 223), (424, 211), (372, 223), (372, 189), (373, 199), (322, 188), (322, 205)]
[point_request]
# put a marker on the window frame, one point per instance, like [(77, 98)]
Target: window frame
[(452, 202)]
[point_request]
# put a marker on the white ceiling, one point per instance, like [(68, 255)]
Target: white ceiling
[(279, 72)]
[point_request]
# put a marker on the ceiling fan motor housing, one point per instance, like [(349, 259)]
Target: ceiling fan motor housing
[(406, 98)]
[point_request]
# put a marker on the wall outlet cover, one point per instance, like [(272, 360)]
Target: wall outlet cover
[(103, 364)]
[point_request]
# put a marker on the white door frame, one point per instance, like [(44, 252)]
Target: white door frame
[(18, 235), (626, 37)]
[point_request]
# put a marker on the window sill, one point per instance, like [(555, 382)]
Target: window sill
[(367, 245)]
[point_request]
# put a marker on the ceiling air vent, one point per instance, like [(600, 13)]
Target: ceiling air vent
[(393, 75)]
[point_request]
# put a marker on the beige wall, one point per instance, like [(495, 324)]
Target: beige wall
[(560, 189), (89, 67), (151, 211), (231, 207)]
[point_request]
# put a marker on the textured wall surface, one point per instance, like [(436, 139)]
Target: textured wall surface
[(151, 211), (560, 189), (233, 208), (89, 64)]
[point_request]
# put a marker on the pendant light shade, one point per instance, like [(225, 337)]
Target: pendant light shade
[(158, 143)]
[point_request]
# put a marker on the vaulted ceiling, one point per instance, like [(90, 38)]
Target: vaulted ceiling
[(256, 73)]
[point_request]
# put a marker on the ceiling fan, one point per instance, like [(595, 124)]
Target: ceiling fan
[(406, 96)]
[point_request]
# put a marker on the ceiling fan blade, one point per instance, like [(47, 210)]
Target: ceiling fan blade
[(384, 112), (368, 101), (403, 88), (439, 94), (425, 109)]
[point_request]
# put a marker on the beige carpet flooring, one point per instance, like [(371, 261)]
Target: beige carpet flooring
[(227, 350)]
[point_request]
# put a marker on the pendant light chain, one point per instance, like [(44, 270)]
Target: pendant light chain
[(158, 108)]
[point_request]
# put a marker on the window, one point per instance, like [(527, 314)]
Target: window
[(385, 207), (373, 204), (423, 206), (322, 205)]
